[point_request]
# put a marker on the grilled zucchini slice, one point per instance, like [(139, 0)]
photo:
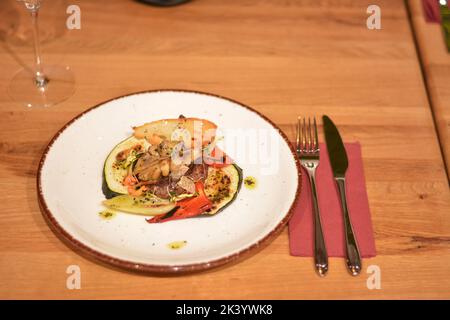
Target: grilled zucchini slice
[(149, 206), (222, 186), (114, 174)]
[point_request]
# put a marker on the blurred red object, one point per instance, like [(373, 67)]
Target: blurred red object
[(431, 10)]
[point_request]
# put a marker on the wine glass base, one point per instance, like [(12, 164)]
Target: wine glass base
[(60, 86)]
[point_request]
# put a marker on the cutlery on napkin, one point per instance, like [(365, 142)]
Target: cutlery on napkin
[(301, 241)]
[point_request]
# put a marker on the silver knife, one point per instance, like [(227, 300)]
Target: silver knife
[(339, 165)]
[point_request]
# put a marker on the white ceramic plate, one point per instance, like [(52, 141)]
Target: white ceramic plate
[(70, 178)]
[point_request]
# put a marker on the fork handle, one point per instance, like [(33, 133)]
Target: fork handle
[(320, 250), (351, 246)]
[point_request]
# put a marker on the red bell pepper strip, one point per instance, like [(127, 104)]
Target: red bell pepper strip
[(186, 208), (218, 159)]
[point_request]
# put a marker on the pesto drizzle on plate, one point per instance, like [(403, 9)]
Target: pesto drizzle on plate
[(250, 182)]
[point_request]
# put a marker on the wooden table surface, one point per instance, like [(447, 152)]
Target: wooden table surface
[(436, 65), (284, 58)]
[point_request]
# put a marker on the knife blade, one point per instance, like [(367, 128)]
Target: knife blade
[(336, 149), (339, 164)]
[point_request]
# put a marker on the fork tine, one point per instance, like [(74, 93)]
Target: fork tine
[(316, 136), (304, 135), (309, 136), (298, 134)]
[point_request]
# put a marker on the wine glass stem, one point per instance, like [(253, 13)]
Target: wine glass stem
[(40, 79)]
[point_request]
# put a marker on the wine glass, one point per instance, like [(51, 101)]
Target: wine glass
[(42, 85)]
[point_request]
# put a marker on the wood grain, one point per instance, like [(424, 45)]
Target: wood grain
[(284, 58), (436, 64)]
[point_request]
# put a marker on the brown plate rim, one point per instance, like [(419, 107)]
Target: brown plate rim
[(155, 268)]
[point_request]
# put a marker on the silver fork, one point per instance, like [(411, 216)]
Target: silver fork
[(307, 144)]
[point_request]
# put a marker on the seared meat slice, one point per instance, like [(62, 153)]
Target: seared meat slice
[(187, 184), (197, 172), (165, 188), (177, 171)]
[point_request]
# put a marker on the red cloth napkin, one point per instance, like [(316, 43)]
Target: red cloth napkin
[(301, 225)]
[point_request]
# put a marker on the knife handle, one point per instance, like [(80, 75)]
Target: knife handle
[(351, 246)]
